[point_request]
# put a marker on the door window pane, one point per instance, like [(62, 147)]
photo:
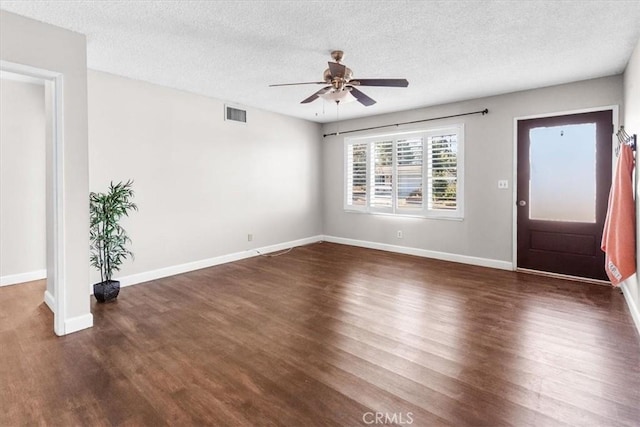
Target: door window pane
[(562, 183)]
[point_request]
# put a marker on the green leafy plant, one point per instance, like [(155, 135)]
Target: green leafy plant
[(108, 240)]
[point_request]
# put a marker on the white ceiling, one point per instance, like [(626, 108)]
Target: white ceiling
[(448, 50)]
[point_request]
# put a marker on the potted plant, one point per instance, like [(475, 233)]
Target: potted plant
[(107, 237)]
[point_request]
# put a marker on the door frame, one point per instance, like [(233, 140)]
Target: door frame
[(514, 179), (55, 243)]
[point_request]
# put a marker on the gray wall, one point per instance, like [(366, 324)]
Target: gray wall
[(202, 183), (22, 179), (486, 231)]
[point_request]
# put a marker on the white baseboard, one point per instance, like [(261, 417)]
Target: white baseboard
[(50, 301), (445, 256), (633, 305), (73, 324), (23, 277), (78, 323), (147, 276), (286, 245)]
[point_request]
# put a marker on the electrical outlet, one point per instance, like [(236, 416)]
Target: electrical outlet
[(399, 234), (249, 237), (503, 184)]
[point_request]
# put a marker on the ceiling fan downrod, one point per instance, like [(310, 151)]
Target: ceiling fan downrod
[(337, 55)]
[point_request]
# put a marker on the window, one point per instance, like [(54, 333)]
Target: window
[(414, 173)]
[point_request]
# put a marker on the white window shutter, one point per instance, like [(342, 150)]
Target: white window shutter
[(382, 175), (409, 172), (442, 179), (417, 173), (356, 176)]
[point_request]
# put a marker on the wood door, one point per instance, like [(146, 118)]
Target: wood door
[(564, 177)]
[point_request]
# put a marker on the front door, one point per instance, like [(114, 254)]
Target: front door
[(564, 176)]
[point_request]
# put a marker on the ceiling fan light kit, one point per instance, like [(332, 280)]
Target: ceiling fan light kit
[(341, 86), (342, 96)]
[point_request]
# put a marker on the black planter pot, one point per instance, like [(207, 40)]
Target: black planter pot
[(106, 291)]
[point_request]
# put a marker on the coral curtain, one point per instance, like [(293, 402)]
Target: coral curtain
[(618, 239)]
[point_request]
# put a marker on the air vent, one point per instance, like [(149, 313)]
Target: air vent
[(235, 114)]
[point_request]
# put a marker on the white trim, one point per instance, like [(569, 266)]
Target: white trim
[(514, 205), (22, 78), (58, 274), (445, 256), (633, 307), (55, 81), (59, 262), (613, 107), (27, 70), (30, 276), (78, 323), (50, 301), (148, 276), (286, 245)]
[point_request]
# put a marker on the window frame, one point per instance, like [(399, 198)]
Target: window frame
[(395, 210)]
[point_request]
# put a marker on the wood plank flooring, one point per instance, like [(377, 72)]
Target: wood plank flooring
[(328, 335)]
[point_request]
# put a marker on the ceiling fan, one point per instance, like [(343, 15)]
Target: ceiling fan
[(340, 83)]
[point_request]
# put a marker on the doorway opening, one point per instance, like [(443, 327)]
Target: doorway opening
[(22, 179), (55, 294)]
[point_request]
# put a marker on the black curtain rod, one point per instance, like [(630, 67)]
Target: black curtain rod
[(483, 112)]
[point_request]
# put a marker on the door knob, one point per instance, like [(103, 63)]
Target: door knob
[(522, 203)]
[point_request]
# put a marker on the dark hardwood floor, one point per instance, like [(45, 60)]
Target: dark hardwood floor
[(328, 335)]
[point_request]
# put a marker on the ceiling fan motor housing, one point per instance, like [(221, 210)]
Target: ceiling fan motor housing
[(327, 77)]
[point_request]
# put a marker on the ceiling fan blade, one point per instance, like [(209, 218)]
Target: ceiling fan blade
[(316, 95), (337, 70), (361, 97), (380, 82), (304, 83)]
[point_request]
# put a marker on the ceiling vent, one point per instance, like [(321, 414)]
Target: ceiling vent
[(235, 114)]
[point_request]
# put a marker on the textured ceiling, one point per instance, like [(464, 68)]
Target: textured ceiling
[(448, 51)]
